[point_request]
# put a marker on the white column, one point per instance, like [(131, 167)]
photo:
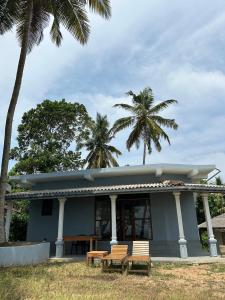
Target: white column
[(195, 196), (182, 241), (212, 240), (8, 219), (113, 220), (59, 243)]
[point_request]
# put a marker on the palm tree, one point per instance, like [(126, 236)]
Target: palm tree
[(100, 151), (31, 17), (145, 121)]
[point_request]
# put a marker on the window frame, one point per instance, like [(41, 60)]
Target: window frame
[(45, 210)]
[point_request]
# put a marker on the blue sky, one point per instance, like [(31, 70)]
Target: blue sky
[(175, 47)]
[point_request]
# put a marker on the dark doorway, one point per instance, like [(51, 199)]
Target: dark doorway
[(134, 218)]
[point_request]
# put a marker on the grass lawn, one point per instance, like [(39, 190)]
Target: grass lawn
[(77, 281)]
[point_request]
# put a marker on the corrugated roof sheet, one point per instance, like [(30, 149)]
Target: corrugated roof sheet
[(217, 222), (117, 189)]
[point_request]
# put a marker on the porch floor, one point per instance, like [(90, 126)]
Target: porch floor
[(189, 260)]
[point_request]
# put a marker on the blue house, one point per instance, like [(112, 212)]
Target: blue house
[(118, 205)]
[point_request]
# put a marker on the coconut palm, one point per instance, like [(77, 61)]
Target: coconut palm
[(145, 121), (100, 151), (31, 17)]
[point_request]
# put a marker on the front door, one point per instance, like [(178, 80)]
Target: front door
[(133, 219)]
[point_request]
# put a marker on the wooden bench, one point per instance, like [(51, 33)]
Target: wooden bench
[(140, 255), (116, 260)]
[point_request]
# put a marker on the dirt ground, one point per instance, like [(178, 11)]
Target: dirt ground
[(75, 280)]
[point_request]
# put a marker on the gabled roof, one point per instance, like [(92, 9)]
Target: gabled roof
[(217, 222), (191, 171), (118, 189)]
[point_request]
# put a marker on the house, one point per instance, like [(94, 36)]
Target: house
[(218, 224), (118, 205)]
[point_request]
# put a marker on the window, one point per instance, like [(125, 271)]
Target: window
[(103, 218), (47, 206)]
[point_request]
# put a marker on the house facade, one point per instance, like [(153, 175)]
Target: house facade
[(119, 205)]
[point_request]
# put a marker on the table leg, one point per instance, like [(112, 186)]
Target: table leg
[(91, 244)]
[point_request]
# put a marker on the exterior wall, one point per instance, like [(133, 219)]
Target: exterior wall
[(165, 226), (79, 219), (24, 254), (109, 181)]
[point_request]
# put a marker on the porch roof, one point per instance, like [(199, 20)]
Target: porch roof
[(118, 189), (217, 222), (194, 172)]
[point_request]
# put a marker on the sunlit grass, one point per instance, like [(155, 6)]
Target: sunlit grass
[(77, 281)]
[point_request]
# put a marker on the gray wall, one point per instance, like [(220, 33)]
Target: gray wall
[(80, 219), (24, 254)]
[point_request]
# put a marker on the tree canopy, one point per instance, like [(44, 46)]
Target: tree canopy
[(48, 135), (146, 122), (100, 151)]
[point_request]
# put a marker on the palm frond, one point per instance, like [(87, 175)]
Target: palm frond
[(165, 122), (72, 15), (134, 137), (156, 142), (127, 107), (39, 21), (10, 11), (102, 7), (157, 131), (113, 149), (55, 32), (162, 105), (112, 161), (122, 123)]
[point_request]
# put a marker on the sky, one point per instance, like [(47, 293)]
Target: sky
[(175, 47)]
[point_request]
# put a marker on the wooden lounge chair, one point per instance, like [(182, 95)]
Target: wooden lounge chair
[(116, 260), (140, 260)]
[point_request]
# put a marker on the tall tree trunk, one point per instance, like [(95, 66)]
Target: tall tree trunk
[(9, 118), (144, 153)]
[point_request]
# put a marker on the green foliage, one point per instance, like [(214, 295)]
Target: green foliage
[(216, 204), (20, 216), (145, 121), (100, 151), (72, 15), (47, 136), (204, 238)]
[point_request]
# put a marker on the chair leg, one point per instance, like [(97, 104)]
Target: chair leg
[(103, 262), (149, 268)]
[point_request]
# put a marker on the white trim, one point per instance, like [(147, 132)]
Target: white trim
[(179, 169)]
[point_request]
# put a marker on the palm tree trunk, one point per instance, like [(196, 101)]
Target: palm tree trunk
[(144, 153), (9, 118)]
